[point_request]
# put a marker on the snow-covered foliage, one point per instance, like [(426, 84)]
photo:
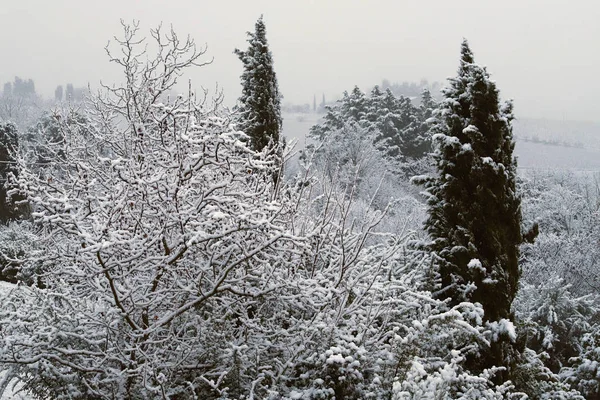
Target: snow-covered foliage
[(17, 243), (558, 306), (152, 212), (565, 206), (562, 329), (474, 211), (9, 146), (172, 266), (583, 372), (396, 127)]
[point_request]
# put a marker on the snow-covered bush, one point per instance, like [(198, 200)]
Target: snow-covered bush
[(583, 372), (565, 206), (558, 306), (17, 242), (560, 328)]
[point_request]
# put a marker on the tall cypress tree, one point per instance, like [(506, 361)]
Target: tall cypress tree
[(260, 103), (474, 212), (9, 141)]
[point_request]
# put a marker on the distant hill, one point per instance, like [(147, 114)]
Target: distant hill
[(571, 133), (542, 144)]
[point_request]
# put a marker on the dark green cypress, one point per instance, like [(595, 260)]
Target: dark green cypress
[(474, 211), (260, 102)]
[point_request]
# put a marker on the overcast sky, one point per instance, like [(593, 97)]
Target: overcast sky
[(544, 54)]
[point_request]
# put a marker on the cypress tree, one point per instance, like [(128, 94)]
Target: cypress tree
[(474, 212), (260, 103), (9, 141)]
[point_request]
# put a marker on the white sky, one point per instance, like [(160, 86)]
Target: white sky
[(544, 54)]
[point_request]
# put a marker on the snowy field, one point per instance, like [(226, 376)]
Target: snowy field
[(544, 156)]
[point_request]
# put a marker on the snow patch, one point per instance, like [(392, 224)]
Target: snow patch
[(476, 264)]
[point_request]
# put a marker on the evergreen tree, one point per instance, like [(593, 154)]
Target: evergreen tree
[(8, 142), (260, 103), (474, 213), (397, 123), (354, 107)]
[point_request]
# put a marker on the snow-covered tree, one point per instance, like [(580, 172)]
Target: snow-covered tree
[(260, 103), (397, 128), (159, 225), (474, 210), (353, 107), (9, 145), (560, 330)]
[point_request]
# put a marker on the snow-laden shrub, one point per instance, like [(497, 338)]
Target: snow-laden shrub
[(17, 242), (583, 372), (558, 327), (565, 206)]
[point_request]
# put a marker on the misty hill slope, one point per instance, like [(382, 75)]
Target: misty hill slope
[(582, 133), (533, 136)]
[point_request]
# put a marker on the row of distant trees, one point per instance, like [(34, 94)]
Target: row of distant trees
[(25, 88), (21, 104), (410, 90)]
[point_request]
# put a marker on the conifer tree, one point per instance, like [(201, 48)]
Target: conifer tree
[(353, 107), (474, 212), (9, 141), (260, 103)]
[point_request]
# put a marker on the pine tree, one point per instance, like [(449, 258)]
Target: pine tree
[(354, 107), (474, 213), (260, 103)]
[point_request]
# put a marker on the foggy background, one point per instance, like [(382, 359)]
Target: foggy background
[(543, 54)]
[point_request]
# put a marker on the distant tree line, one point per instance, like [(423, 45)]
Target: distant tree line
[(412, 89)]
